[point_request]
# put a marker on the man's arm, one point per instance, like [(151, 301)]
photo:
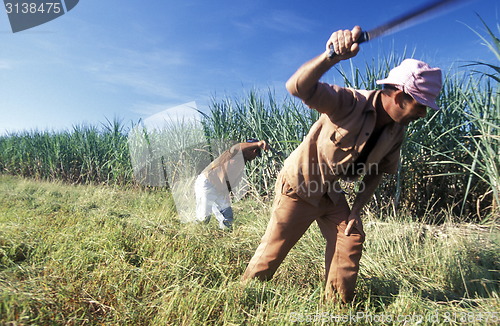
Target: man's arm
[(371, 182), (303, 82), (252, 150)]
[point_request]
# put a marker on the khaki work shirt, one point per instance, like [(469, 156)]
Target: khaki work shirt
[(336, 140), (227, 170)]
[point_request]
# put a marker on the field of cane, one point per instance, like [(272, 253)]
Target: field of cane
[(82, 243)]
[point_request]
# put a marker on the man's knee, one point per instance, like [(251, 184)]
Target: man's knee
[(228, 218), (227, 213)]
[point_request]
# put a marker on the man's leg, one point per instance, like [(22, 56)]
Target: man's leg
[(290, 218), (203, 192), (223, 211), (224, 216), (343, 253)]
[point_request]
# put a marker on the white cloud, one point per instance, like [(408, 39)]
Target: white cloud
[(151, 73), (286, 21), (6, 65), (140, 83), (278, 20)]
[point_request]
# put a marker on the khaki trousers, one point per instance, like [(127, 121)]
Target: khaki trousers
[(291, 217)]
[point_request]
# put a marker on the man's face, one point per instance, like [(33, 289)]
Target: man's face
[(411, 111), (250, 155), (254, 153)]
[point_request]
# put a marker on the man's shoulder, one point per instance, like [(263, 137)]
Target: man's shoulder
[(338, 101), (362, 95), (356, 102)]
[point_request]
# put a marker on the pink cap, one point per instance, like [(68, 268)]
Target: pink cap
[(417, 79)]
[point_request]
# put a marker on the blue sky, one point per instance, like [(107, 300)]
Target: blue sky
[(132, 59)]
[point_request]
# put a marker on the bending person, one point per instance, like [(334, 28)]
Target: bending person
[(358, 132), (214, 184)]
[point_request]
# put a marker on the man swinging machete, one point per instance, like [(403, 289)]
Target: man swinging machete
[(358, 132)]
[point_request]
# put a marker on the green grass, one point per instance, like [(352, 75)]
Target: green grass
[(90, 255)]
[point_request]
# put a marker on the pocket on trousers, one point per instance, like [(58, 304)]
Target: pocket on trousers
[(359, 231), (283, 188), (286, 189)]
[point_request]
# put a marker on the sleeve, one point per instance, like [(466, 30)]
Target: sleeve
[(332, 100), (247, 148)]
